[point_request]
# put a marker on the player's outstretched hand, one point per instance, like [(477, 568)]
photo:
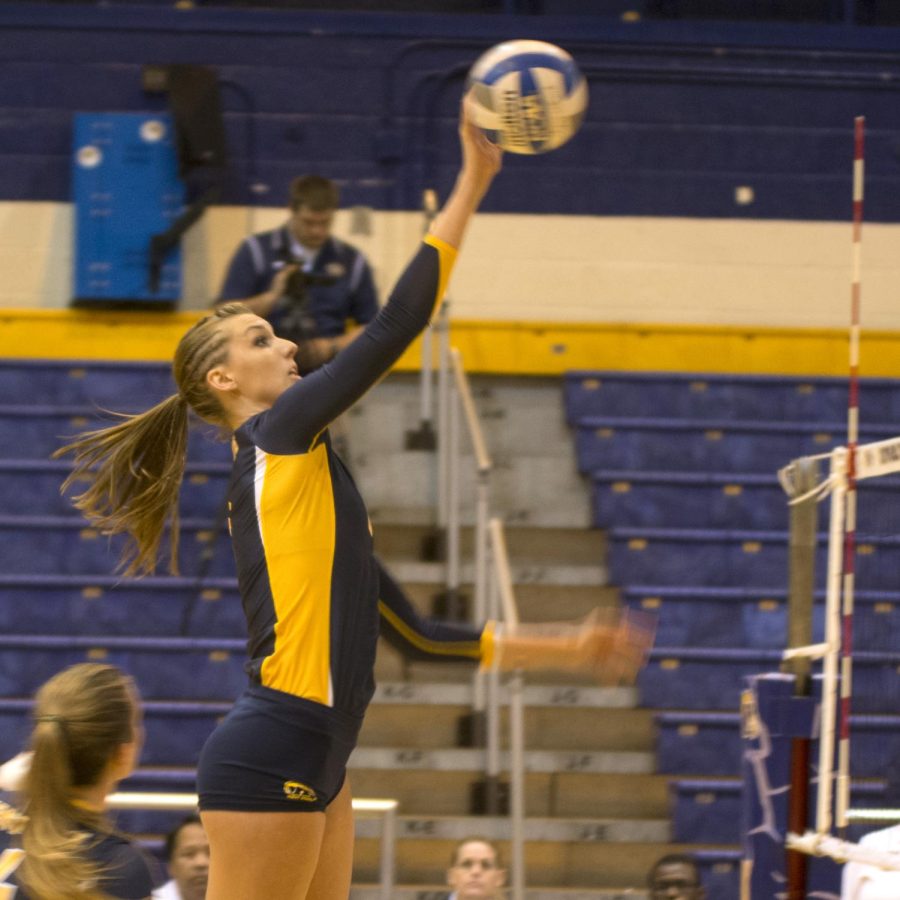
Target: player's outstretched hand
[(613, 648), (479, 154), (608, 645)]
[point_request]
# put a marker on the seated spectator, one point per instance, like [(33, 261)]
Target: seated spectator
[(476, 871), (86, 738), (862, 882), (675, 877), (187, 855)]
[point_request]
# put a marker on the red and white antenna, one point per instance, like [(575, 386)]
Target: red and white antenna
[(843, 781)]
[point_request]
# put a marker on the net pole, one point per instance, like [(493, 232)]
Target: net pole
[(801, 572), (843, 781), (832, 641)]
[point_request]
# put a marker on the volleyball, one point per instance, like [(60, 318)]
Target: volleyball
[(529, 96)]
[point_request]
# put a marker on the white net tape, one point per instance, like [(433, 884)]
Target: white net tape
[(815, 844)]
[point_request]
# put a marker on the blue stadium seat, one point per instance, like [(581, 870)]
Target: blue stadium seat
[(706, 445), (712, 396), (36, 432), (164, 668), (647, 499), (720, 871), (709, 743), (171, 779), (66, 544), (698, 743), (33, 486), (709, 810), (700, 679), (706, 810), (111, 605), (756, 559), (691, 616), (677, 556), (120, 386), (174, 731), (692, 678)]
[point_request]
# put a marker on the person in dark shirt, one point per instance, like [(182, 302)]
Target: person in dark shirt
[(187, 857), (313, 592), (86, 738), (306, 282)]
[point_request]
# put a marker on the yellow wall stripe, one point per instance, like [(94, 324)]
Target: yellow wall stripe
[(496, 348)]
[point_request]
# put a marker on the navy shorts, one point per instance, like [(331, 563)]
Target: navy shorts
[(276, 753)]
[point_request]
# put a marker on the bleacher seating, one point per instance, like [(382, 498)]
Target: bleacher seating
[(740, 398), (710, 742), (83, 604), (683, 473), (706, 445), (708, 810)]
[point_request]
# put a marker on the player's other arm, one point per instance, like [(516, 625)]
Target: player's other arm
[(424, 639)]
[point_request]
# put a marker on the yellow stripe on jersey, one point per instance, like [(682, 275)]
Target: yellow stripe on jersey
[(488, 646), (436, 648), (297, 524), (447, 258)]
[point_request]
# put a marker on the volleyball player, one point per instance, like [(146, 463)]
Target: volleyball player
[(86, 738), (274, 797)]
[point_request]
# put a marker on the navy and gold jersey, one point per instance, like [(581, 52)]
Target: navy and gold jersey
[(125, 871), (314, 594)]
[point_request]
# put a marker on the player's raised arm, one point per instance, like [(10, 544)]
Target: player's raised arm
[(481, 162)]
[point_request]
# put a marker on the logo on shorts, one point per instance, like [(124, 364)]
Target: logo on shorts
[(294, 790)]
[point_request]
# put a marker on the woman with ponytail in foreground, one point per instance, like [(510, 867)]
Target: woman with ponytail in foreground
[(86, 738), (274, 797)]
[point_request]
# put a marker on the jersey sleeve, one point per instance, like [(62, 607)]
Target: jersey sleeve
[(307, 407), (426, 639), (241, 278), (128, 872)]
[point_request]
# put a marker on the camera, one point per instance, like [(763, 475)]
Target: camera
[(297, 322)]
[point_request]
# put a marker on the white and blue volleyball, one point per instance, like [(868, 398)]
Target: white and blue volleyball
[(530, 96)]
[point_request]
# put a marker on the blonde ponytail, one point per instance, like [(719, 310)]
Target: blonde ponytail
[(82, 716), (135, 467)]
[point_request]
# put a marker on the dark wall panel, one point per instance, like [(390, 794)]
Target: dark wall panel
[(680, 115)]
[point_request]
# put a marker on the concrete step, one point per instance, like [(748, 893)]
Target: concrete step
[(535, 478), (573, 794), (531, 544), (555, 718), (542, 558), (536, 602), (593, 863), (468, 759), (516, 414)]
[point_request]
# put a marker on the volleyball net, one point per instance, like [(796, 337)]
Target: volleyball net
[(856, 776)]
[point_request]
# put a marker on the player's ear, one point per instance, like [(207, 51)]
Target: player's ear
[(220, 380)]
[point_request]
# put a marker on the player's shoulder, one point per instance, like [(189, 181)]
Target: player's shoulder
[(129, 872)]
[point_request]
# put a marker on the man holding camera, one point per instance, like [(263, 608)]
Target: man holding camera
[(306, 282)]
